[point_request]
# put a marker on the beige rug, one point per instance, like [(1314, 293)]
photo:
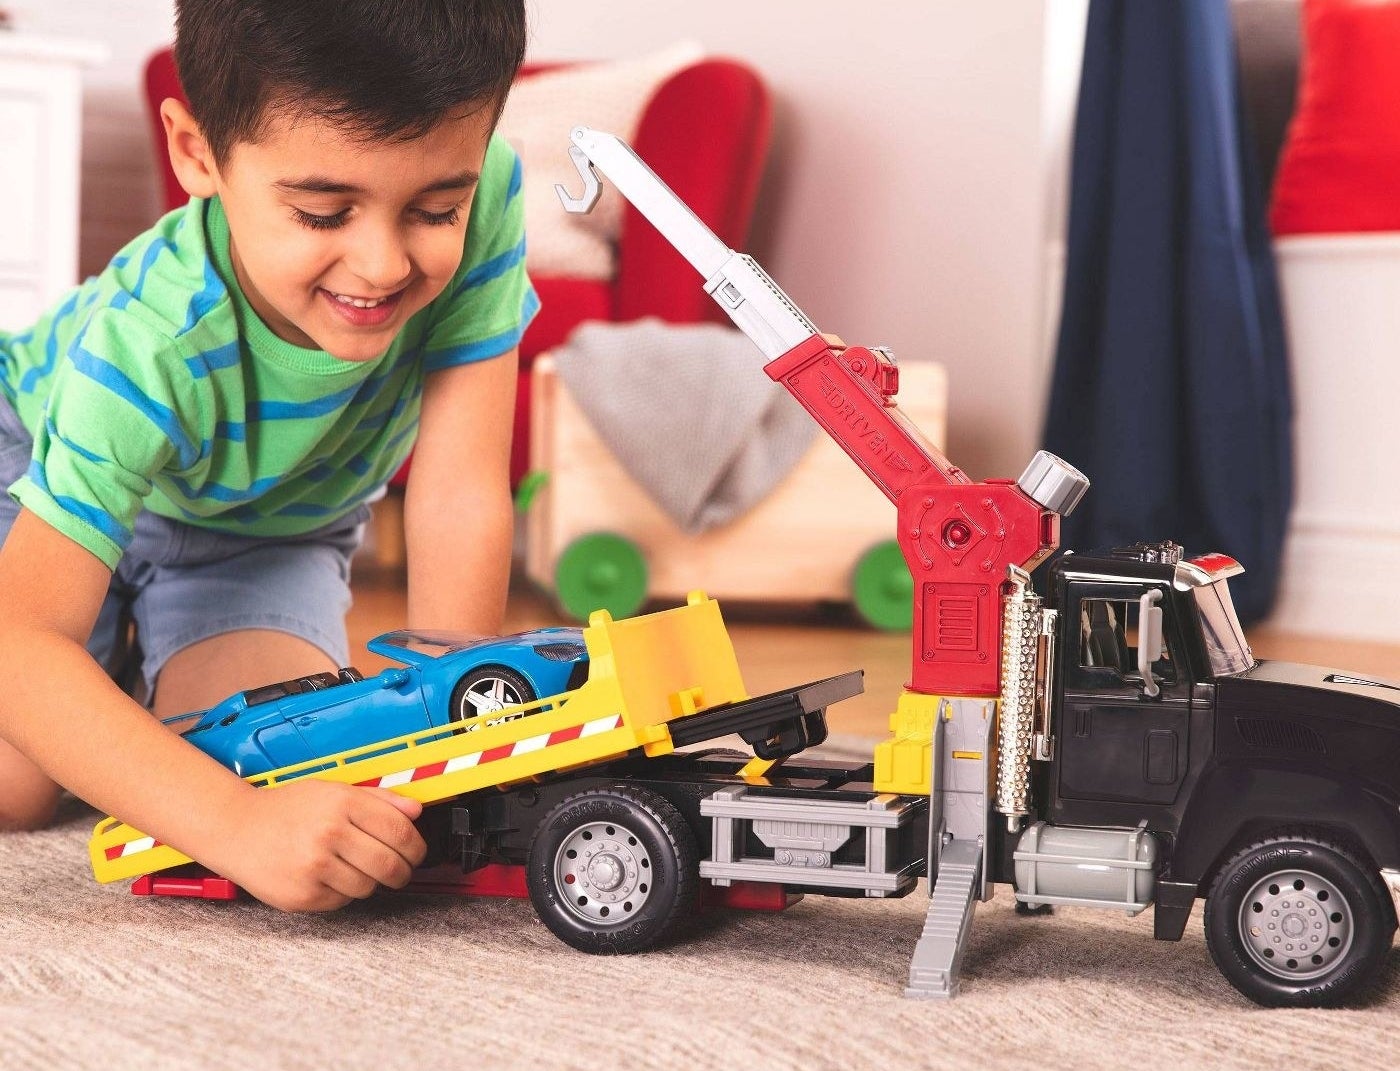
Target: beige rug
[(93, 977)]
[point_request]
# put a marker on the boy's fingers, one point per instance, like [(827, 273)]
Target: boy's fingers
[(410, 807), (390, 826), (376, 860), (345, 878)]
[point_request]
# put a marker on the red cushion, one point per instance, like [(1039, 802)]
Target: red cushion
[(564, 304), (162, 80), (1340, 167), (721, 106)]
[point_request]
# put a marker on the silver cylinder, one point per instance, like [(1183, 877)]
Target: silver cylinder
[(1092, 867), (1053, 483)]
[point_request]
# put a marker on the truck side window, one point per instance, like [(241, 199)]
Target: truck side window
[(1108, 639)]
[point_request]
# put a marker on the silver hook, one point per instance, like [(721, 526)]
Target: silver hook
[(592, 188)]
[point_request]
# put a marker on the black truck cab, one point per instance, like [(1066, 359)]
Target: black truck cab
[(1239, 769), (1127, 748)]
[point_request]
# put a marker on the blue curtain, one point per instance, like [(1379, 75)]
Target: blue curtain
[(1170, 387)]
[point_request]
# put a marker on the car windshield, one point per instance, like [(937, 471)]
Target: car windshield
[(1225, 643), (433, 644)]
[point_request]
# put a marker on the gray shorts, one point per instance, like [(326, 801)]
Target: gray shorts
[(181, 584)]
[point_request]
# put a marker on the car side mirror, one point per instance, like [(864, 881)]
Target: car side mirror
[(394, 677), (1149, 647)]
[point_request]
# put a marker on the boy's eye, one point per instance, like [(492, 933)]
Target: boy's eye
[(440, 219), (321, 223)]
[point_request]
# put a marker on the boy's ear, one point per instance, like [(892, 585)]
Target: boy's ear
[(190, 157)]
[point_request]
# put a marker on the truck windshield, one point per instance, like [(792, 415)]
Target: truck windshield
[(1225, 642)]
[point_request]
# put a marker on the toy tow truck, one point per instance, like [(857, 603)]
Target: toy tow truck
[(1113, 744)]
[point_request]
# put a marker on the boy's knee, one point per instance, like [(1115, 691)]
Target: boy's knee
[(21, 812)]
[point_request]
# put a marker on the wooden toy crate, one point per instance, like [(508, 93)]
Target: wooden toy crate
[(802, 543)]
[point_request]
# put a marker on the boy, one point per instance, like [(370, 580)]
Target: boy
[(195, 432)]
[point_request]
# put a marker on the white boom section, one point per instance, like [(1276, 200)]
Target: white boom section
[(755, 303)]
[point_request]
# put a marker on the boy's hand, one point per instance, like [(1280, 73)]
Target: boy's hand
[(316, 845)]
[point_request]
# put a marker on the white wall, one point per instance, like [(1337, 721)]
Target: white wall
[(905, 203)]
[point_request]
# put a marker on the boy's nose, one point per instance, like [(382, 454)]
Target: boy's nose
[(383, 264)]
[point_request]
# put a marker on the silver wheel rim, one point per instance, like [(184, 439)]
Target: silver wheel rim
[(603, 873), (486, 696), (1296, 925)]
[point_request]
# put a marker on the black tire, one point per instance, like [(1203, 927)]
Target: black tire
[(513, 688), (629, 839), (1297, 920)]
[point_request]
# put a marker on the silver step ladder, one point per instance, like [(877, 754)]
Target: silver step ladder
[(959, 816)]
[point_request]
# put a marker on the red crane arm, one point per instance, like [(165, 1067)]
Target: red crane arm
[(957, 537)]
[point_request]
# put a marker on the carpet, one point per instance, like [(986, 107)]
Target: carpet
[(93, 977)]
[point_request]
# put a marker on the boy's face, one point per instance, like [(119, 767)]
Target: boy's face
[(336, 240)]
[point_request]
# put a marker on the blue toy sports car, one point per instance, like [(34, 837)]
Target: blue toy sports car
[(445, 677)]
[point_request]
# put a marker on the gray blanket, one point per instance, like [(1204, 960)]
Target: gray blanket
[(688, 412)]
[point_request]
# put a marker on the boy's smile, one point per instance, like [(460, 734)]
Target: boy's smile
[(337, 239)]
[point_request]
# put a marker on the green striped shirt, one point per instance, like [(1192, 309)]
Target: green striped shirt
[(156, 385)]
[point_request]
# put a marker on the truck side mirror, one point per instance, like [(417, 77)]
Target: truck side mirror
[(1149, 647)]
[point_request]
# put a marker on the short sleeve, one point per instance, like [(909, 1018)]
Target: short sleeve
[(486, 307), (109, 426)]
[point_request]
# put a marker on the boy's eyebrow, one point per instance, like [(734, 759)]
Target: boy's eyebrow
[(463, 180)]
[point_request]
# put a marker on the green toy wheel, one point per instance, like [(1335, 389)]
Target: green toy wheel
[(882, 589), (601, 571)]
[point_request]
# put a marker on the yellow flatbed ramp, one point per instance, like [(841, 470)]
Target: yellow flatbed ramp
[(643, 673)]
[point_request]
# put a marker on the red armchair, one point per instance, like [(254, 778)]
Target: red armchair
[(705, 132)]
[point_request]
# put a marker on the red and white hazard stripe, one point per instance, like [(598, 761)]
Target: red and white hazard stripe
[(131, 847), (505, 751), (460, 762)]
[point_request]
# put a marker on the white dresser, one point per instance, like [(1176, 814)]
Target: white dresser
[(40, 112)]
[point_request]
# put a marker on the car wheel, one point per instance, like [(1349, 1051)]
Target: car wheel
[(1298, 921), (488, 689), (613, 870)]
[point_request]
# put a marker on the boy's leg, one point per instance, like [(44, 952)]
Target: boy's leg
[(28, 796), (200, 675), (221, 614)]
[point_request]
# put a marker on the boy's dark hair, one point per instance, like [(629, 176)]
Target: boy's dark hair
[(385, 70)]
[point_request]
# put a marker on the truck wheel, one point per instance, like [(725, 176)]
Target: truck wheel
[(601, 571), (883, 590), (1298, 921), (612, 870), (487, 689)]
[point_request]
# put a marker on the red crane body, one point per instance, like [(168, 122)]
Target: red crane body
[(958, 537)]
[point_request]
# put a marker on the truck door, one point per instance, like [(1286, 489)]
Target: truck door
[(1115, 742)]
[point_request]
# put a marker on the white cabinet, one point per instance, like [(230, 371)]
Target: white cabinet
[(40, 110)]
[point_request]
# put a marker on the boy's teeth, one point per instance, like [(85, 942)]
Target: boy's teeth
[(358, 302)]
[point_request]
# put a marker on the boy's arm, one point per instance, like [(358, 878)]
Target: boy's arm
[(311, 845), (457, 507)]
